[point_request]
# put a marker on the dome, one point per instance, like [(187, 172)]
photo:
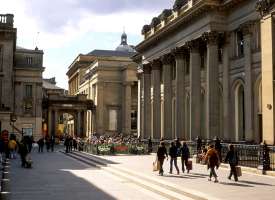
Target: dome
[(123, 45)]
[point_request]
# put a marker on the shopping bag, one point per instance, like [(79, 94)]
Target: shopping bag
[(189, 165), (239, 171), (156, 165)]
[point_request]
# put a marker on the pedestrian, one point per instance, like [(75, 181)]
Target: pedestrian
[(212, 159), (67, 143), (173, 152), (185, 154), (48, 143), (161, 154), (73, 143), (2, 150), (23, 151), (218, 147), (232, 159), (52, 141), (199, 145), (150, 145), (178, 145), (40, 143), (12, 148)]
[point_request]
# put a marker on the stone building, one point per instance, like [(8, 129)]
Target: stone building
[(20, 83), (200, 72), (109, 78)]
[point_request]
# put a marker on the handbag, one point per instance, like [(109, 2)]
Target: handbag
[(156, 165), (239, 171), (189, 165)]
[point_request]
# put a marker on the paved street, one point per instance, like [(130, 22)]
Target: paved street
[(56, 176)]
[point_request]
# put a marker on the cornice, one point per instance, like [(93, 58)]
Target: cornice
[(199, 8)]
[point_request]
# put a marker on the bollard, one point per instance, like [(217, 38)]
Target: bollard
[(6, 168), (5, 195), (5, 185), (5, 175), (4, 163)]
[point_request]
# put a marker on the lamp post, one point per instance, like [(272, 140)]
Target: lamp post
[(13, 119)]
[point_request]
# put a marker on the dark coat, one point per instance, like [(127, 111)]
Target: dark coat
[(162, 152), (232, 158), (185, 153), (173, 151)]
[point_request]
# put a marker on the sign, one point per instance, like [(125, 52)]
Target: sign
[(27, 131)]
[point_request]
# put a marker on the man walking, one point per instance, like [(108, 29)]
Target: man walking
[(173, 152), (161, 154), (232, 159)]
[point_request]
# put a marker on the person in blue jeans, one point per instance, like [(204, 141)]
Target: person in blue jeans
[(173, 153), (185, 154)]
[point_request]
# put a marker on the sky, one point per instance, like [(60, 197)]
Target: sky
[(65, 28)]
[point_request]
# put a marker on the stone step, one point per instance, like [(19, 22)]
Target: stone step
[(150, 183)]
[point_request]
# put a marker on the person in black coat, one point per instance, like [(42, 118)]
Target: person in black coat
[(161, 154), (185, 154), (23, 151), (173, 152), (40, 145), (232, 159)]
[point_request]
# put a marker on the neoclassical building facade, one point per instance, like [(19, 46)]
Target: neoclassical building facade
[(20, 83), (109, 79), (200, 72)]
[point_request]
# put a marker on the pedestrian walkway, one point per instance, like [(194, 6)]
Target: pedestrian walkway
[(57, 177), (250, 186)]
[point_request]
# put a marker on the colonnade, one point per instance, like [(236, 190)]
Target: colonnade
[(156, 93)]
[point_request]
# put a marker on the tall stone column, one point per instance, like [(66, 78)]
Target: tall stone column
[(156, 65), (268, 58), (140, 99), (195, 88), (100, 108), (147, 101), (50, 120), (212, 85), (246, 29), (126, 104), (79, 124), (180, 54), (226, 88), (85, 122), (55, 122), (167, 96)]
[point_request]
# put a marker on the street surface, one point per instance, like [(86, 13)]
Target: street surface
[(55, 176)]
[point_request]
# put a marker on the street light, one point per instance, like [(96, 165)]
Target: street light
[(13, 119)]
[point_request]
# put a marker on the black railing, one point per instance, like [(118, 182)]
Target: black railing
[(249, 155)]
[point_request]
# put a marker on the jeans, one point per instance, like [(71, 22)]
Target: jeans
[(213, 172), (175, 163)]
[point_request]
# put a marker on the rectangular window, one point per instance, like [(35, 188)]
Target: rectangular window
[(28, 90), (240, 43), (112, 120)]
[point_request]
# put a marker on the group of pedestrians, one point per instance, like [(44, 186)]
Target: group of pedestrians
[(70, 144), (176, 150), (210, 155), (48, 141)]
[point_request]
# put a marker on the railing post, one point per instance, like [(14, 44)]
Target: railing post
[(264, 158)]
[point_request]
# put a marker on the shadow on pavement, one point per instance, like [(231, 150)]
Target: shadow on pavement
[(52, 177), (235, 184), (178, 176), (255, 183)]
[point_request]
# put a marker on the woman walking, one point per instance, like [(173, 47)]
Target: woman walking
[(232, 159), (212, 158), (161, 154), (173, 152)]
